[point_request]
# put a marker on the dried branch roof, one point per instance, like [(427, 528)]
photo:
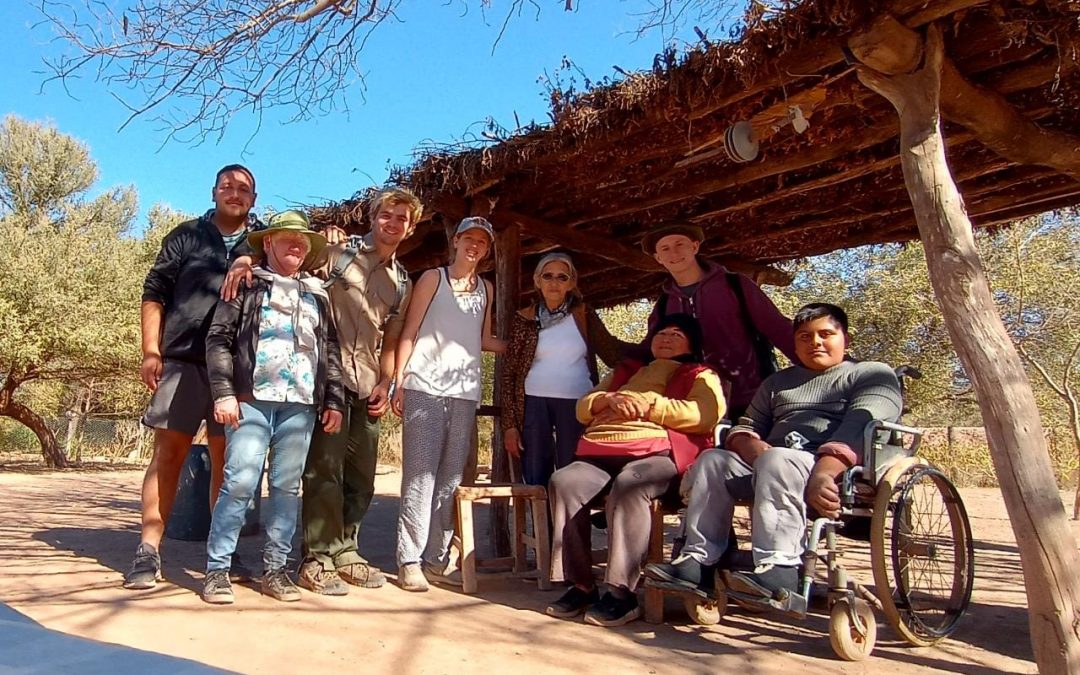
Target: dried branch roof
[(620, 160)]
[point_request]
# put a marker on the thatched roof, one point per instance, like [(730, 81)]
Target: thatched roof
[(619, 160)]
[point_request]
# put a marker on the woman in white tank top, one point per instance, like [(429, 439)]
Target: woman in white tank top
[(447, 325)]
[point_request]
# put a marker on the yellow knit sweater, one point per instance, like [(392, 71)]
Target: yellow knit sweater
[(698, 413)]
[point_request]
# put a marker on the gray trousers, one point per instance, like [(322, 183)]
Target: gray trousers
[(577, 486), (776, 483), (435, 441)]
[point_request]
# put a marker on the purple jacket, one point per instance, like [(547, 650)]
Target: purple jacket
[(728, 346)]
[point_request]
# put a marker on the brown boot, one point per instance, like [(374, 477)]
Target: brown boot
[(316, 579), (362, 574)]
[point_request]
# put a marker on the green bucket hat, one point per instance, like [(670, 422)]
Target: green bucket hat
[(290, 221)]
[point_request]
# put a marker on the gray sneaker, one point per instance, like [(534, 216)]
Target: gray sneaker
[(278, 585), (217, 590), (145, 570), (437, 575)]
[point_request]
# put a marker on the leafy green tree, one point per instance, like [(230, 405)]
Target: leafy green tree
[(1034, 267), (69, 271)]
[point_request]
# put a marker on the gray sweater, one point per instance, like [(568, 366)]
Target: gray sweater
[(823, 412)]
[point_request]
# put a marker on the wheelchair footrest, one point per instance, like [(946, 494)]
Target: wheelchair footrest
[(679, 589), (791, 604)]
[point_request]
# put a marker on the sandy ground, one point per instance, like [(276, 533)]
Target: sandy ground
[(67, 537)]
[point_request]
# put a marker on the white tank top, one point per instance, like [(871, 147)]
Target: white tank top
[(559, 368), (446, 354)]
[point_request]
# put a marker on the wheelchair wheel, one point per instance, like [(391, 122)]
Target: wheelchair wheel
[(921, 551), (851, 641), (702, 612)]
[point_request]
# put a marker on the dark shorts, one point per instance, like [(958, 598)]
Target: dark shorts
[(182, 400)]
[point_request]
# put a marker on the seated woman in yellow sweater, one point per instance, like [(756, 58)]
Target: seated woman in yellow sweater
[(646, 424)]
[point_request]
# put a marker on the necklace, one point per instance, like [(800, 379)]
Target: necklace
[(464, 284)]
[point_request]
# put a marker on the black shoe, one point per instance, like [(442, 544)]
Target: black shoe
[(682, 571), (573, 602), (145, 570), (612, 611), (238, 571), (216, 588), (766, 581)]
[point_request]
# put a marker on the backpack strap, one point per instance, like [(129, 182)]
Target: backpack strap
[(763, 349), (401, 280), (353, 245)]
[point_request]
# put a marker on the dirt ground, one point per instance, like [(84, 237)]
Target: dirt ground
[(67, 537)]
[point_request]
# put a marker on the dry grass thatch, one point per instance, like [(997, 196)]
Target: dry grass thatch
[(621, 159)]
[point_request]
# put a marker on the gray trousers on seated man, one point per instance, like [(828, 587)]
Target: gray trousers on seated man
[(776, 483)]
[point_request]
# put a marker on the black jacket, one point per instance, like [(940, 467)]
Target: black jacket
[(185, 280), (233, 338)]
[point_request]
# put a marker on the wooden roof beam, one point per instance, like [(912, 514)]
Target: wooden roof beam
[(889, 47), (600, 246)]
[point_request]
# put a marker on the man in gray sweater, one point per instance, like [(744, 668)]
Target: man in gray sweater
[(803, 428)]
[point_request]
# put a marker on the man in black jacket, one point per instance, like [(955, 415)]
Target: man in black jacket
[(179, 296)]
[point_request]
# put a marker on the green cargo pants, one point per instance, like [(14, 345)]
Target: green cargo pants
[(339, 482)]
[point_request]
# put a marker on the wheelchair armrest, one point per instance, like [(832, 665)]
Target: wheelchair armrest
[(721, 431), (884, 443)]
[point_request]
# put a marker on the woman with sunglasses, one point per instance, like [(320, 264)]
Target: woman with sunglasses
[(551, 363)]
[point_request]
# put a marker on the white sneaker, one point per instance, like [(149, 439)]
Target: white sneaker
[(411, 578)]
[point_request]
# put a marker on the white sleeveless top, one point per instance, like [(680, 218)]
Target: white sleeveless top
[(560, 368), (446, 354)]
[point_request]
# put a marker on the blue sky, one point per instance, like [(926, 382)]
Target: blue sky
[(431, 76)]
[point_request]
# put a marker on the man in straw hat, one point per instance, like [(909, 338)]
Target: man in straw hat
[(275, 367), (369, 291)]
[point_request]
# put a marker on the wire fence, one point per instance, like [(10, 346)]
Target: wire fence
[(962, 452), (82, 438)]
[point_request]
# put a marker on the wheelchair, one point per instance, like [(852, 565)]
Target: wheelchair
[(921, 552)]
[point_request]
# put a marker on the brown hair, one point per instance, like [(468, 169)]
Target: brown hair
[(392, 197)]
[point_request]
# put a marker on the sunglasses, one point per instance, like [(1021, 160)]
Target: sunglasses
[(552, 276)]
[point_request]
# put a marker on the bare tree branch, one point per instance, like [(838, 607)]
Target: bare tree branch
[(192, 65)]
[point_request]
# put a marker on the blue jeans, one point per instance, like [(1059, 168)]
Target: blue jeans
[(283, 430), (549, 437)]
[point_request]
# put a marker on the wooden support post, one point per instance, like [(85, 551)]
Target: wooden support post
[(507, 279), (1021, 459)]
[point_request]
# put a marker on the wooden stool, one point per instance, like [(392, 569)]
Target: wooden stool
[(539, 540)]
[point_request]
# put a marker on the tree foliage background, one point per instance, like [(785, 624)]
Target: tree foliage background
[(70, 280)]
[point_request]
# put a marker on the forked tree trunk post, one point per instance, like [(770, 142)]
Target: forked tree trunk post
[(1018, 447), (507, 278), (9, 407)]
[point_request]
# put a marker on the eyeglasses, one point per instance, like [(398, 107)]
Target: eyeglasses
[(551, 276)]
